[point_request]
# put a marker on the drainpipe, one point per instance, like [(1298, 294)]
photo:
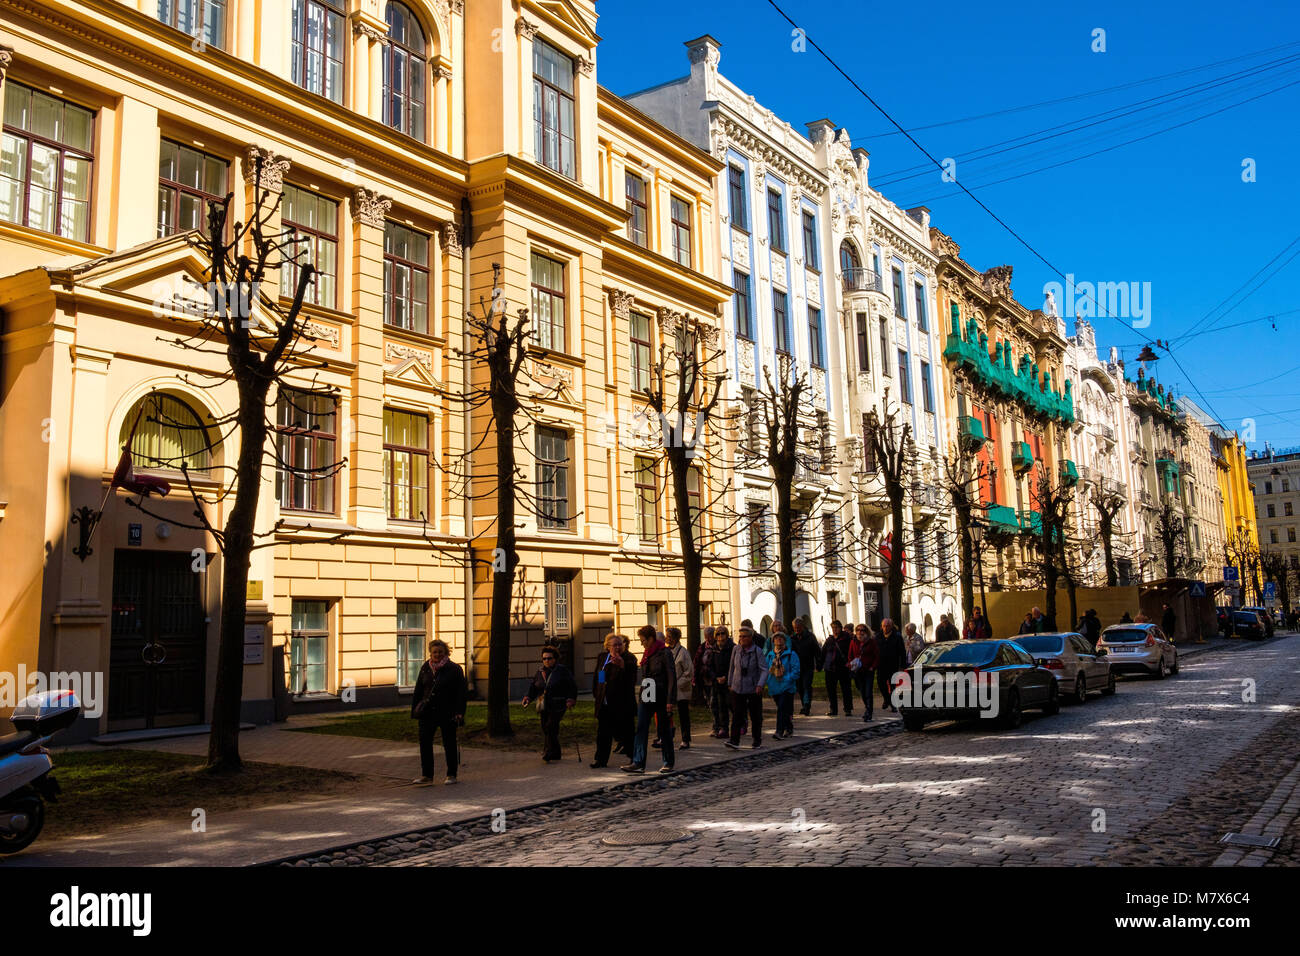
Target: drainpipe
[(466, 229)]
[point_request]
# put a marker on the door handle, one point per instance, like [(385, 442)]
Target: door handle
[(153, 653)]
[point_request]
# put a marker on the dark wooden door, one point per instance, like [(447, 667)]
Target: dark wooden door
[(158, 644)]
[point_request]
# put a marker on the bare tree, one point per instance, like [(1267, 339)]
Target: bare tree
[(1276, 567), (1108, 504), (962, 471), (1052, 499), (1172, 532), (262, 342), (1240, 552), (893, 448)]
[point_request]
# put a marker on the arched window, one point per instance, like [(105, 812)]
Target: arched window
[(405, 72), (167, 434), (848, 258)]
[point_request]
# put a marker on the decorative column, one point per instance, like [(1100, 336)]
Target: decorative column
[(6, 60), (441, 102), (366, 454), (270, 177), (526, 30), (369, 37)]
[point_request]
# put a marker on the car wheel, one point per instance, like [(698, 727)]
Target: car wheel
[(1161, 670), (1174, 669), (1013, 715), (1080, 690), (1053, 705), (1110, 684), (913, 722)]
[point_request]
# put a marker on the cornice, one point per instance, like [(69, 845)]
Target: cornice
[(243, 92), (627, 259), (759, 146)]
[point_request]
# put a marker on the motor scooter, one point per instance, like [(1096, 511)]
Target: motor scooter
[(26, 782)]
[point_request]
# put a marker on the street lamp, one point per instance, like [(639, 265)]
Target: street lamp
[(977, 535)]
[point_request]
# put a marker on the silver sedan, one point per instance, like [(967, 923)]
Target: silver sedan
[(1139, 648), (1078, 668)]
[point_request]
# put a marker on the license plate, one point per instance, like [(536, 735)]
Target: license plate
[(1124, 650)]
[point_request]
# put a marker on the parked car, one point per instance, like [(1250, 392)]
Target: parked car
[(1248, 623), (1073, 661), (1140, 648), (1266, 617), (1019, 682)]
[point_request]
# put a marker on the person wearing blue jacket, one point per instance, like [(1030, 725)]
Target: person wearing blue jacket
[(782, 682)]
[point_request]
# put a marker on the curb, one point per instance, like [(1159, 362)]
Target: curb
[(379, 849)]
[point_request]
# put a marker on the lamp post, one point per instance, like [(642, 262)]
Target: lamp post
[(977, 536)]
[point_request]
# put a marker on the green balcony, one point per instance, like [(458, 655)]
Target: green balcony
[(1022, 459), (1069, 473), (1002, 518), (1031, 522), (971, 431)]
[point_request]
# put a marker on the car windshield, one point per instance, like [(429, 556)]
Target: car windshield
[(976, 653), (1041, 643), (1246, 617), (1125, 635)]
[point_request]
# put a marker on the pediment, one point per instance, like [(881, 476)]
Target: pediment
[(570, 16), (412, 371)]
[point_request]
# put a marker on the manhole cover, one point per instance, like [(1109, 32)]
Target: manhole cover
[(1250, 839), (645, 837)]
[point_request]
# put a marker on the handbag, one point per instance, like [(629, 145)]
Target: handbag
[(423, 704)]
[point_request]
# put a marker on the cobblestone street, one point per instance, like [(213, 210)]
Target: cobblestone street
[(1154, 775)]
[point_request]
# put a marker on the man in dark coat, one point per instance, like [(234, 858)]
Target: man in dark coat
[(1091, 626), (656, 699), (555, 688), (720, 666), (1168, 622), (947, 630), (805, 646), (438, 703), (843, 676), (893, 658)]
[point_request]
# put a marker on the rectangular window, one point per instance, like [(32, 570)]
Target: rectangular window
[(815, 338), (406, 278), (680, 217), (553, 478), (736, 195), (927, 393), (654, 616), (1271, 511), (693, 501), (317, 46), (46, 163), (647, 498), (406, 465), (780, 319), (202, 19), (1268, 487), (831, 542), (904, 379), (187, 181), (553, 126), (1272, 535), (775, 221), (1286, 484), (308, 646), (868, 448), (864, 344), (411, 633), (1290, 535), (306, 432), (900, 307), (312, 224), (641, 353), (884, 346), (757, 534), (752, 439), (744, 312), (549, 321), (922, 322), (638, 227), (811, 258)]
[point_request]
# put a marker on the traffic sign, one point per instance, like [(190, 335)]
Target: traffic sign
[(1197, 589), (1270, 590), (1229, 573)]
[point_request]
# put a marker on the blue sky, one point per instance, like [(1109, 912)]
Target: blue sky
[(1171, 210)]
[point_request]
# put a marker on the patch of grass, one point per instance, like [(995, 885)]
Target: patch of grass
[(102, 789), (397, 725)]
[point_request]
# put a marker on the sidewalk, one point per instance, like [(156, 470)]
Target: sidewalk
[(386, 803)]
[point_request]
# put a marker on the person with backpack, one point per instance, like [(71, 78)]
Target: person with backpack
[(685, 670), (554, 692), (438, 703)]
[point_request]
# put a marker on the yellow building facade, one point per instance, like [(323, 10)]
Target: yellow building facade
[(410, 162)]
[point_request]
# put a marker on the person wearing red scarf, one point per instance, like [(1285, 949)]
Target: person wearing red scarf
[(658, 694)]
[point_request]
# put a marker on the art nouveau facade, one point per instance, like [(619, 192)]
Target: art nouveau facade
[(360, 128), (888, 359), (772, 213), (1099, 447), (1004, 369)]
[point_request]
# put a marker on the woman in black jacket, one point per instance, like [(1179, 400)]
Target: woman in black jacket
[(612, 687), (439, 704), (556, 692)]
